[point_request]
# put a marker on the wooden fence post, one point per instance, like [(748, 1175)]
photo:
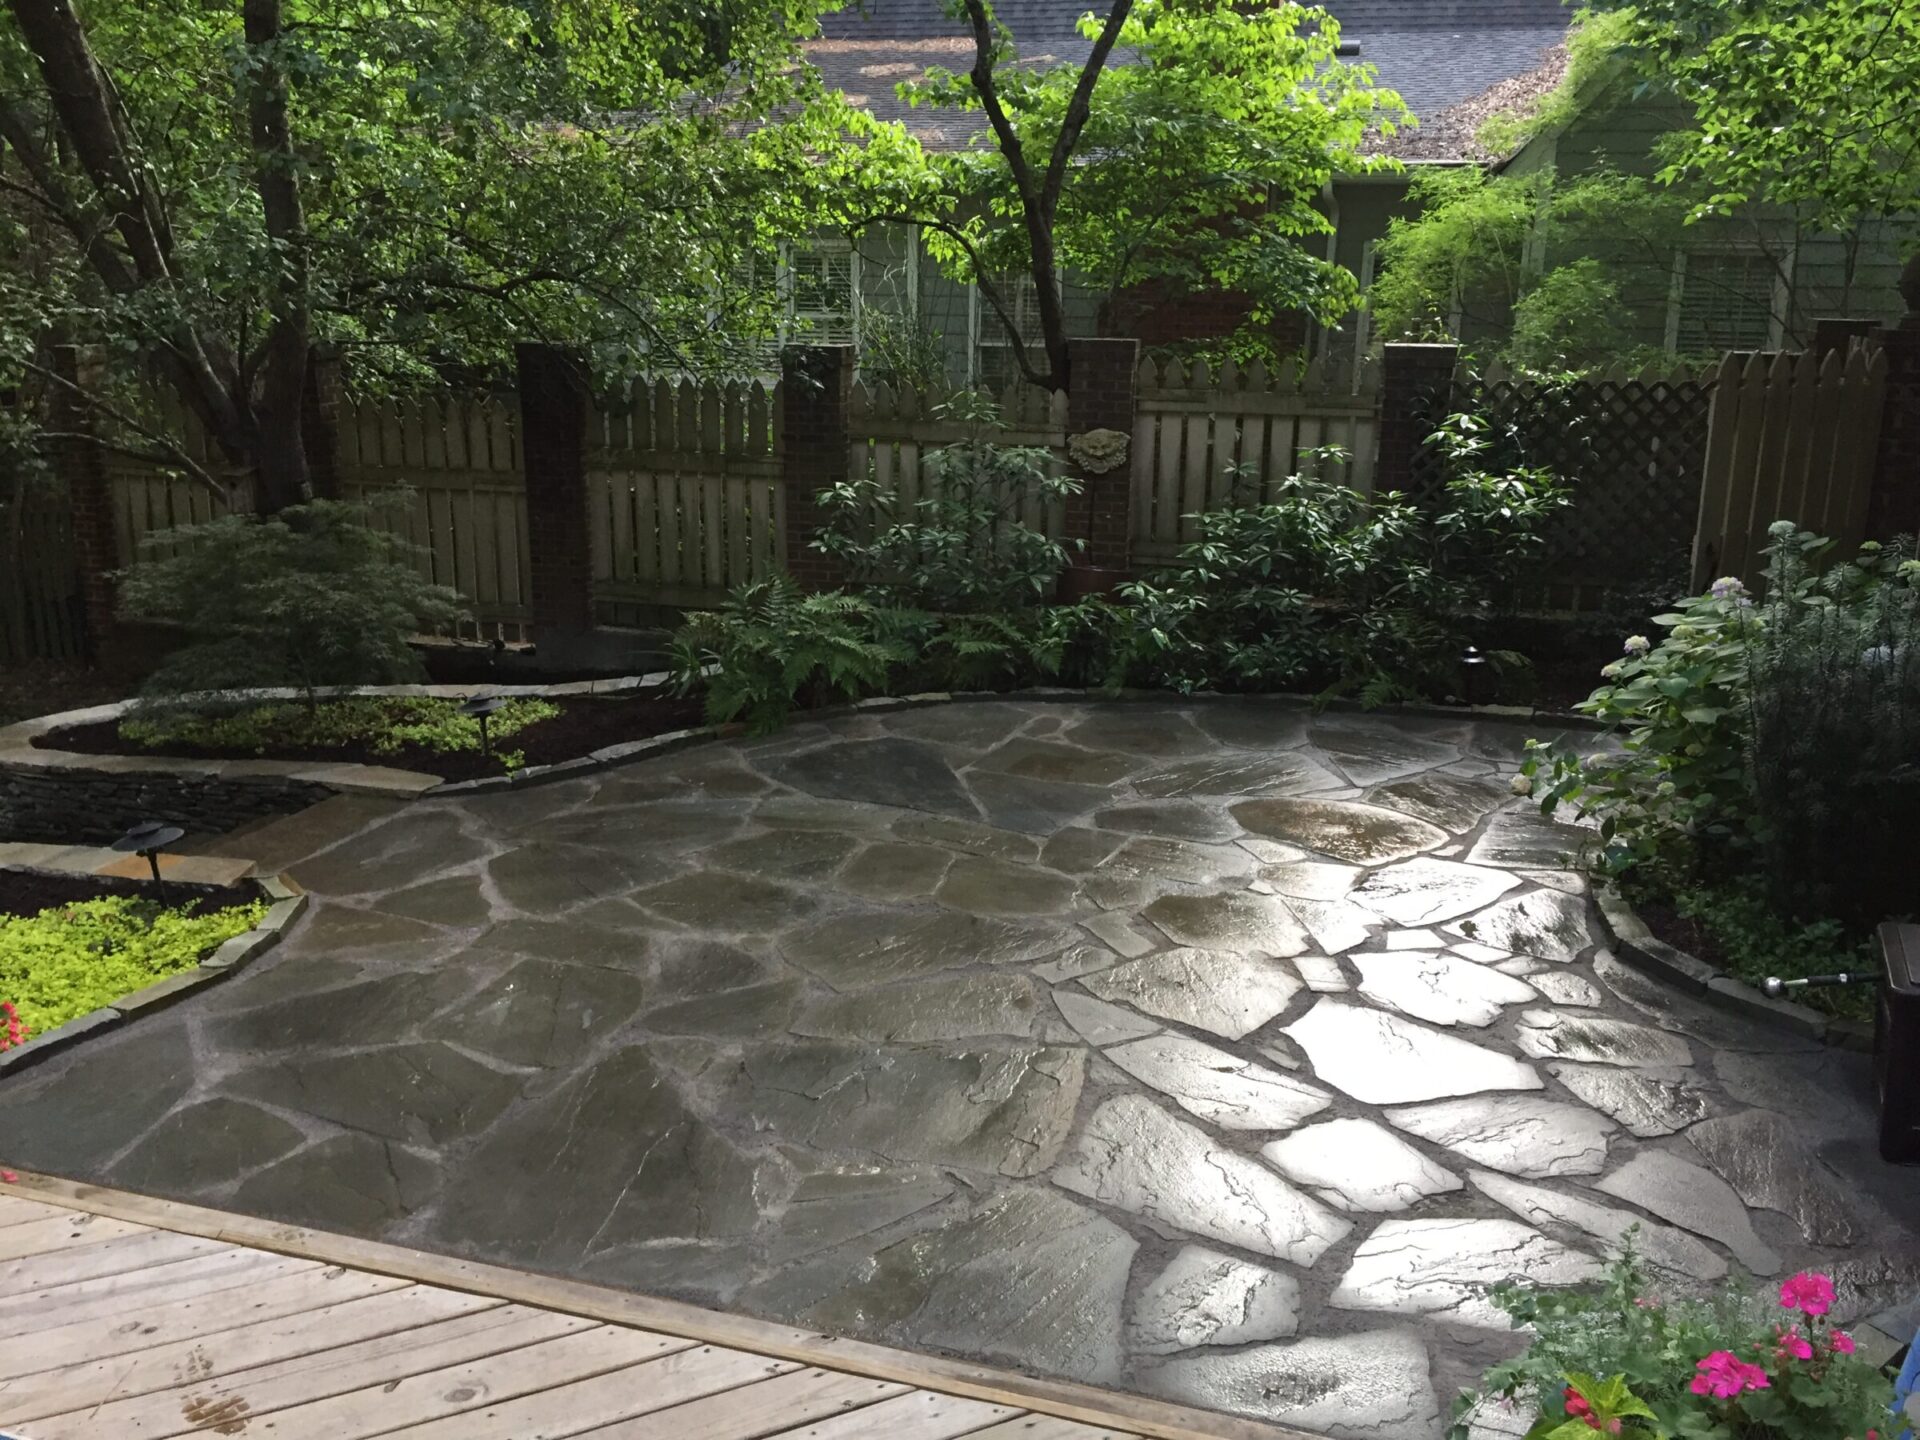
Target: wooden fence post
[(1412, 377), (816, 396), (553, 435), (81, 466), (1893, 507), (1100, 396)]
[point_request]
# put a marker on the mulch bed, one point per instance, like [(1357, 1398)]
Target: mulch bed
[(28, 892), (584, 724)]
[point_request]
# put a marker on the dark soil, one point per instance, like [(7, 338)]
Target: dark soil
[(584, 724), (1681, 931), (28, 892)]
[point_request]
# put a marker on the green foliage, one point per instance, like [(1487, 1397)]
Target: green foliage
[(771, 647), (1618, 1351), (901, 350), (1741, 915), (71, 959), (315, 596), (1326, 587), (963, 548), (383, 723)]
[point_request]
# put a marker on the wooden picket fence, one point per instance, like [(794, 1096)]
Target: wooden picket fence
[(1206, 438), (1793, 437), (147, 501), (40, 611)]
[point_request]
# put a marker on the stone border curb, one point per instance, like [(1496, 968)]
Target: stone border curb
[(287, 901), (1646, 952)]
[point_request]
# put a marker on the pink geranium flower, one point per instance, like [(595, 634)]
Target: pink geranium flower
[(1724, 1375), (1808, 1293), (1793, 1343), (1842, 1342)]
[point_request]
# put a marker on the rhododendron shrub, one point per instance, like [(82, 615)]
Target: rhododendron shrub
[(1623, 1359)]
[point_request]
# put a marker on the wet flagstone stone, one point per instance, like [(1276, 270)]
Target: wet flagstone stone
[(1554, 1034), (1145, 868), (1028, 1277), (1234, 920), (1206, 1298), (456, 900), (1647, 1102), (1099, 1023), (203, 1145), (784, 854), (895, 871), (1138, 729), (1354, 1387), (1758, 1154), (1453, 802), (906, 774), (1222, 994), (992, 887), (637, 830), (1660, 1245), (542, 1013), (79, 1117), (1038, 807), (1564, 988), (1169, 819), (968, 727), (1323, 974), (415, 844), (713, 900), (754, 1012), (1427, 891), (1078, 850), (1368, 754), (1525, 838), (1521, 1135), (942, 1007), (1440, 989), (1082, 959), (425, 1093), (1312, 879), (373, 1011), (349, 1182), (1443, 1268), (1693, 1198), (832, 1206), (1222, 1089), (1359, 1165), (875, 947), (689, 969), (1049, 760), (1335, 925), (1386, 1060), (1135, 1156), (1261, 725), (966, 835), (1343, 829), (1544, 923), (343, 930), (543, 879), (571, 941), (1119, 934), (1281, 774), (1003, 1111)]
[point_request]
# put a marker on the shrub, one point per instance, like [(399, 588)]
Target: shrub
[(383, 723), (313, 596), (1618, 1359)]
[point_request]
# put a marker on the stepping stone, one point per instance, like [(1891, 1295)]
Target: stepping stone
[(426, 1093), (848, 951), (204, 1145), (1442, 989), (716, 902), (1370, 1386), (1554, 1034), (1283, 774), (351, 1182), (1693, 1198), (1369, 753), (940, 1007), (903, 774), (1226, 995), (993, 887), (1006, 1110), (1646, 1102), (1235, 921), (1453, 802), (784, 854), (1335, 925), (844, 1202), (1564, 988), (1522, 1135), (1359, 1165), (1135, 1156), (1382, 1059), (1232, 1093), (1759, 1154), (1344, 829), (1029, 1277), (1206, 1298), (1444, 1268), (1099, 1023), (1545, 924), (1312, 879), (1525, 839), (888, 871), (1660, 1245), (1427, 891), (540, 1013)]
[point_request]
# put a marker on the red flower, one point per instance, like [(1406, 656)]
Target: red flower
[(1808, 1293)]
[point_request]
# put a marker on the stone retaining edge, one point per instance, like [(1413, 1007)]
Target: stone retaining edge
[(1639, 947), (286, 899)]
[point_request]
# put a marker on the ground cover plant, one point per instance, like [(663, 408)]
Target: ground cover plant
[(1623, 1359)]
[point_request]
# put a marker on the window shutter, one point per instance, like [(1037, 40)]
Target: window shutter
[(823, 306), (1726, 302)]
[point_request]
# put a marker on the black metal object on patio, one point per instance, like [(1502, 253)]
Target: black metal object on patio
[(1896, 1042), (149, 838), (480, 707)]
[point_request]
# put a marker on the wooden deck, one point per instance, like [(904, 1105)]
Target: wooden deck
[(123, 1317)]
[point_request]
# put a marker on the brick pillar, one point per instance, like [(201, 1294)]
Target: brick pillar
[(1100, 381), (553, 436), (816, 396), (82, 468), (1893, 507), (322, 404), (1412, 377)]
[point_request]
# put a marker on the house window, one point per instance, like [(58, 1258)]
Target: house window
[(994, 362), (1726, 300), (823, 292)]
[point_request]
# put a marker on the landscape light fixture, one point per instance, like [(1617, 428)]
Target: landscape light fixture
[(149, 838), (480, 707), (1471, 664)]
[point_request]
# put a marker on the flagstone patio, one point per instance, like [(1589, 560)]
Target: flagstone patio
[(1215, 1050)]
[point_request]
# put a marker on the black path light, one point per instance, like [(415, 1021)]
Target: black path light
[(1472, 664), (149, 838), (480, 707)]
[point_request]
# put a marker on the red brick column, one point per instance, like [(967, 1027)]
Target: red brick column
[(1893, 508), (1100, 396), (82, 468), (322, 403), (553, 436), (1411, 376), (816, 397)]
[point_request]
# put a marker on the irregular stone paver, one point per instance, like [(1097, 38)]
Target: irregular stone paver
[(1219, 993), (1232, 1093), (1359, 1165), (938, 1027), (1443, 1268), (1387, 1060), (1206, 1298), (1693, 1198), (1527, 1135), (1136, 1157)]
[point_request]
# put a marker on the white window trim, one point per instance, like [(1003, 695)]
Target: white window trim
[(787, 311), (1363, 317), (981, 322), (1784, 267)]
